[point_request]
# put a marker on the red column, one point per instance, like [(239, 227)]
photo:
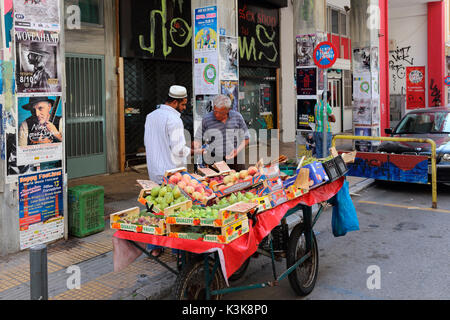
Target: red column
[(385, 119), (436, 53)]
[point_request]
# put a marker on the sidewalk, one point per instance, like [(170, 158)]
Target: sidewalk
[(144, 279)]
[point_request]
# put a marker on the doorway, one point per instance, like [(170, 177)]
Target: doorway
[(85, 116), (335, 89)]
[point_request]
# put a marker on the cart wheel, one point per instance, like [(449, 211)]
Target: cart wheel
[(303, 278), (241, 271), (190, 283)]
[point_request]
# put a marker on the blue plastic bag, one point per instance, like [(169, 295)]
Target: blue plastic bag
[(344, 218)]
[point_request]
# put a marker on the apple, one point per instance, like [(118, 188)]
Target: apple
[(197, 196), (199, 188), (181, 185), (243, 174), (228, 179), (189, 189), (186, 178), (174, 180), (252, 171), (194, 182), (179, 176)]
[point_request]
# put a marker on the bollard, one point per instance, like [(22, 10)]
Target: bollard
[(38, 273)]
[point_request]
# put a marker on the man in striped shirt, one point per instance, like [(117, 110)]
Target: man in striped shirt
[(322, 122), (225, 133)]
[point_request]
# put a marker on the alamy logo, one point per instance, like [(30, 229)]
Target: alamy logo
[(74, 280), (73, 19), (374, 281)]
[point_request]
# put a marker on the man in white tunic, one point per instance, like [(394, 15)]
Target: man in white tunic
[(164, 139)]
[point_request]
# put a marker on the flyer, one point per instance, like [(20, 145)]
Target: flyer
[(40, 134), (306, 81), (38, 65), (229, 60), (231, 89), (206, 73), (205, 29), (415, 88), (305, 114), (42, 15), (41, 212)]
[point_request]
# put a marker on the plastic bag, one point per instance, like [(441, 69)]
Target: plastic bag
[(344, 218)]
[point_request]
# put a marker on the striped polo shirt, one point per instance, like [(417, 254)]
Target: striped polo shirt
[(318, 114), (221, 137)]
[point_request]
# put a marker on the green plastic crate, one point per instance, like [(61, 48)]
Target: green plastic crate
[(86, 210)]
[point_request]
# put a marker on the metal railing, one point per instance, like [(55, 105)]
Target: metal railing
[(429, 141)]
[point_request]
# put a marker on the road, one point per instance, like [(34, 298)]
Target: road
[(401, 251)]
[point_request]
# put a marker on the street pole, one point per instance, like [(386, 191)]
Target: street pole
[(38, 273), (324, 114)]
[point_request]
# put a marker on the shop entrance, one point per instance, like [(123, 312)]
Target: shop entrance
[(85, 116), (147, 84)]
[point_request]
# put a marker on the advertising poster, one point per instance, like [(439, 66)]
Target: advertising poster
[(42, 15), (362, 88), (206, 73), (231, 89), (361, 59), (38, 65), (229, 60), (362, 112), (415, 88), (265, 99), (306, 81), (41, 208), (40, 133), (2, 135), (305, 114), (204, 105), (205, 29), (305, 48), (7, 23)]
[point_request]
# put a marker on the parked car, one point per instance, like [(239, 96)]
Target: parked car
[(430, 123)]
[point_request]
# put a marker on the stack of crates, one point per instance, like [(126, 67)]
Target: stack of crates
[(86, 210)]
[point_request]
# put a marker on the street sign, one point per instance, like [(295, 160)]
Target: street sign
[(447, 80), (325, 55)]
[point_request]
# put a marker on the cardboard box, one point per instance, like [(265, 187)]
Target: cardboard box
[(227, 233), (278, 197), (317, 173), (115, 223), (180, 206), (269, 185), (294, 192), (263, 203)]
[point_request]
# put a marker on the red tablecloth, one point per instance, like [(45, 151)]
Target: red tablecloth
[(232, 255)]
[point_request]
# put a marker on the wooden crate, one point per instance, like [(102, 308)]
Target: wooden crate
[(180, 206)]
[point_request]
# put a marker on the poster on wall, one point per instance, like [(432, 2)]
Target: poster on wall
[(305, 114), (305, 45), (228, 61), (306, 81), (203, 105), (40, 134), (415, 88), (41, 211), (362, 112), (206, 75), (42, 15), (205, 29), (361, 59), (362, 86), (38, 65), (231, 89), (7, 23), (265, 99)]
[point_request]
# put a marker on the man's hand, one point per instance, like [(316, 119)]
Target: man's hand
[(51, 127), (233, 154)]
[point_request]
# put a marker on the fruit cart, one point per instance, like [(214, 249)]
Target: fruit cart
[(204, 268)]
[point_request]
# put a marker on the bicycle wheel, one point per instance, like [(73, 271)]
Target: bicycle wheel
[(191, 285), (241, 271), (303, 278)]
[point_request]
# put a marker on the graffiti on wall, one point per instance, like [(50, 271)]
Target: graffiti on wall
[(399, 59)]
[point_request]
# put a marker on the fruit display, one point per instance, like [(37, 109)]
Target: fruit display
[(165, 196), (143, 219), (137, 220), (198, 191)]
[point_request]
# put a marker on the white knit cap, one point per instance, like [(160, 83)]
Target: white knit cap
[(178, 92)]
